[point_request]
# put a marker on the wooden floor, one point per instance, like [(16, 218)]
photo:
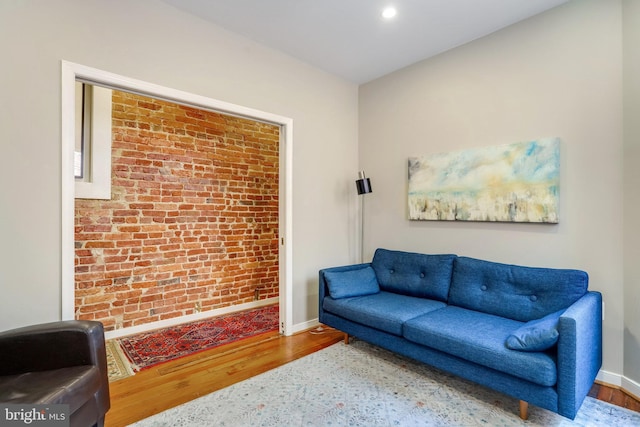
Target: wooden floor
[(615, 396), (170, 384)]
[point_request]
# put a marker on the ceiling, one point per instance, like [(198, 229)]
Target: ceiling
[(349, 38)]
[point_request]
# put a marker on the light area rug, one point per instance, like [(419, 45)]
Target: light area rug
[(118, 366), (362, 385)]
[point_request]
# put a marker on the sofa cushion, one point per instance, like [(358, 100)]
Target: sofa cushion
[(536, 335), (385, 311), (516, 292), (418, 275), (351, 283), (480, 338)]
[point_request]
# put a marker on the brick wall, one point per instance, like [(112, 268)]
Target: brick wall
[(193, 220)]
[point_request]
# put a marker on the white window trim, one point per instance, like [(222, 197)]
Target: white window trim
[(98, 184)]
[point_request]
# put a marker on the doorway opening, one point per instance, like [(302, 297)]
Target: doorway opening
[(198, 215)]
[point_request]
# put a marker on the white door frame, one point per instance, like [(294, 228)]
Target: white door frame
[(72, 72)]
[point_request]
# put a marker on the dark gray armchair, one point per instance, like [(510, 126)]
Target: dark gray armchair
[(57, 363)]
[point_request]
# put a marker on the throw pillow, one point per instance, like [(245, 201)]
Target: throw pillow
[(536, 335), (352, 283)]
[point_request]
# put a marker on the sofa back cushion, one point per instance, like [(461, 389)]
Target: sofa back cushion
[(512, 291), (418, 275)]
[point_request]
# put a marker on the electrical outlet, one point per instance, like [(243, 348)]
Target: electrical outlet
[(256, 295), (198, 307)]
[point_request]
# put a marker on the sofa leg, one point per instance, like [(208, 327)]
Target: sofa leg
[(346, 338), (524, 410)]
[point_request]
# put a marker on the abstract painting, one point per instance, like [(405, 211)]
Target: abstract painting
[(507, 183)]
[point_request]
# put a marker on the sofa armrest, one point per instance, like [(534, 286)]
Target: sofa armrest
[(52, 346), (579, 351), (323, 288)]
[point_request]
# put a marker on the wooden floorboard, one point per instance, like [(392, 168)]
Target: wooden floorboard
[(615, 396), (170, 384), (164, 386)]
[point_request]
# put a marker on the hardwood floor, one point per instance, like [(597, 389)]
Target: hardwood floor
[(615, 396), (170, 384)]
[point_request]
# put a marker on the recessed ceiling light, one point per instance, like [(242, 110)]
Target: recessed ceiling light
[(389, 12)]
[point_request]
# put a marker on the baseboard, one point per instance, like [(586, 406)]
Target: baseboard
[(118, 333), (609, 378), (310, 324), (625, 384), (631, 387)]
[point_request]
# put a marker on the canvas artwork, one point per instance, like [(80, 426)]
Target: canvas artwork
[(509, 183)]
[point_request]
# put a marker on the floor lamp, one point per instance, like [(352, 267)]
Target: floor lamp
[(363, 185)]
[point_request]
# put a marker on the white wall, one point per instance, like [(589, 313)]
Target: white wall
[(151, 41), (557, 74), (631, 73)]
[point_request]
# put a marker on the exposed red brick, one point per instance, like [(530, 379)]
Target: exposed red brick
[(193, 218)]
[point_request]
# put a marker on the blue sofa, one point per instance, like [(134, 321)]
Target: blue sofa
[(531, 333)]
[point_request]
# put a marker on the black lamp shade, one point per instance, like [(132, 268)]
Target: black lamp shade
[(363, 184)]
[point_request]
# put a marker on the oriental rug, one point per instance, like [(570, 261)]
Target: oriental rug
[(118, 366), (363, 385), (151, 348)]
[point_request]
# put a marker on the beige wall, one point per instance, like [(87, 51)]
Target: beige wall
[(557, 74), (631, 73), (151, 41)]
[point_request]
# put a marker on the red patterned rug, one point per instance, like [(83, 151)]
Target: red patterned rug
[(150, 348)]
